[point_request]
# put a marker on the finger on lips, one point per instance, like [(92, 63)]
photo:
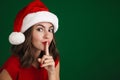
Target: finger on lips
[(46, 59), (46, 49)]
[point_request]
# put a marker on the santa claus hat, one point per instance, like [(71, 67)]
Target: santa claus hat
[(33, 13)]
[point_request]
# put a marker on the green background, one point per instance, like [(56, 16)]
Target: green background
[(88, 38)]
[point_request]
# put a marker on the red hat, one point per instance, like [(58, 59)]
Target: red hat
[(33, 13)]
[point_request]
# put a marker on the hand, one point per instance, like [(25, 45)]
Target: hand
[(47, 61)]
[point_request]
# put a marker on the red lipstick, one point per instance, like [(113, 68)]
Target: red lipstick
[(44, 43)]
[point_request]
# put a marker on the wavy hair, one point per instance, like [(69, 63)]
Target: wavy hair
[(26, 50)]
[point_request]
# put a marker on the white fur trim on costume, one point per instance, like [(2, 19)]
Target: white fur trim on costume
[(16, 38), (42, 16)]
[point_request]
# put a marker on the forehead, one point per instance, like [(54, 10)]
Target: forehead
[(44, 24)]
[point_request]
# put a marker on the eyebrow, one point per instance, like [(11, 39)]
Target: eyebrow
[(43, 25)]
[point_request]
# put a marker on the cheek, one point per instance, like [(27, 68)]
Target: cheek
[(51, 37), (36, 37), (36, 41)]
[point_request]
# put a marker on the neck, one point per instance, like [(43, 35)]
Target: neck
[(37, 53)]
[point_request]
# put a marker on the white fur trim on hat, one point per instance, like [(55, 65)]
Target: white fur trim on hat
[(41, 16), (16, 38)]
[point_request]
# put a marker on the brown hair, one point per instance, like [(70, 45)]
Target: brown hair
[(25, 50)]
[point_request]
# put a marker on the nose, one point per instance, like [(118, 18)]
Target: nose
[(46, 35)]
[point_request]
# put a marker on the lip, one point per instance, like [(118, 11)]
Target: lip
[(44, 43)]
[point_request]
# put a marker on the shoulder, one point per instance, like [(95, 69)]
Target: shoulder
[(12, 66), (12, 61)]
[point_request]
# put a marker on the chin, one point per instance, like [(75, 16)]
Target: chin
[(39, 49), (42, 49)]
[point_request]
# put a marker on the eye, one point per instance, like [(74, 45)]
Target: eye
[(40, 29), (51, 30)]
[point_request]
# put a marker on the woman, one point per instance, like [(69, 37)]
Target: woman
[(35, 56)]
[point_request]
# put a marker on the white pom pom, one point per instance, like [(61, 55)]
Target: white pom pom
[(16, 38)]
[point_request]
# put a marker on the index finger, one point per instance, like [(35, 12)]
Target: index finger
[(47, 49)]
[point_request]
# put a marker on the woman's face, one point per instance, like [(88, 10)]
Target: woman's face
[(42, 33)]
